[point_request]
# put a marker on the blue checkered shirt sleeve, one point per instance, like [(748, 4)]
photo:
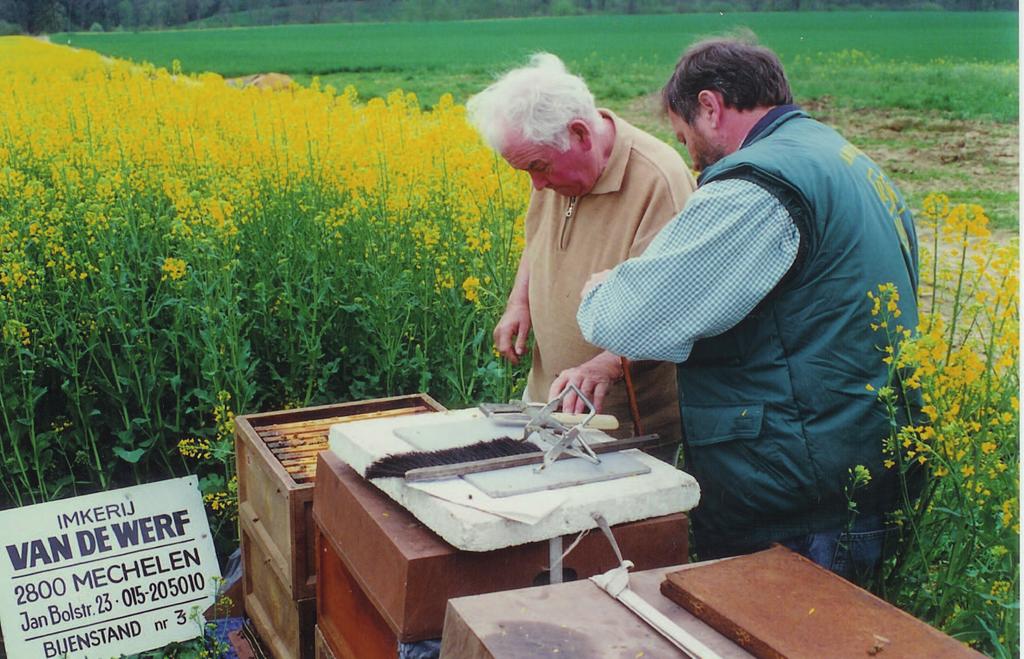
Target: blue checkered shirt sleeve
[(701, 275)]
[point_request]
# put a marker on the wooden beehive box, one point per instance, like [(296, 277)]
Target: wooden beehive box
[(385, 578), (276, 457)]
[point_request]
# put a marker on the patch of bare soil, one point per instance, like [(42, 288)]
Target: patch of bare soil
[(972, 161), (272, 81)]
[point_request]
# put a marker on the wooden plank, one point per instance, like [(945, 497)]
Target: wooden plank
[(326, 423), (300, 467), (299, 436), (303, 476), (351, 626), (296, 440), (301, 471), (284, 453), (306, 445), (336, 409), (776, 603), (291, 465), (296, 460), (284, 624), (271, 436), (296, 443)]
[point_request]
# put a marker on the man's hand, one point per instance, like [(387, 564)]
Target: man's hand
[(593, 281), (593, 378), (512, 331)]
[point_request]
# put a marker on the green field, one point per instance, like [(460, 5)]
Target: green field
[(962, 64), (932, 95)]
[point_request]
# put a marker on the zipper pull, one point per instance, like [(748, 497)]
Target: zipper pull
[(571, 208), (562, 239)]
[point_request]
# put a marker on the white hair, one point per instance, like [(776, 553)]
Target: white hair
[(538, 101)]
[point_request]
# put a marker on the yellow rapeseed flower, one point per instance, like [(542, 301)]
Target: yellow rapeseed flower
[(16, 333), (173, 269), (192, 447), (470, 288)]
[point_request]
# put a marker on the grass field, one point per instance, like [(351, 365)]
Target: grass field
[(932, 95), (622, 56)]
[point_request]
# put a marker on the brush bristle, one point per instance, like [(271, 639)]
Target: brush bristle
[(395, 466)]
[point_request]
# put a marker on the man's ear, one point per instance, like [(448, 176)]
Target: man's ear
[(712, 105), (579, 131)]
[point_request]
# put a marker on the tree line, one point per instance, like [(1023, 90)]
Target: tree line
[(47, 16)]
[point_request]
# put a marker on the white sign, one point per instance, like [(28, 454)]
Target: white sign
[(106, 574)]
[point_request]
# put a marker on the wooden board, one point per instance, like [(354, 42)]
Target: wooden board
[(275, 453), (285, 625), (350, 625), (776, 603)]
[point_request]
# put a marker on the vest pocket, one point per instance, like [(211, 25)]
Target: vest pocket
[(749, 479), (722, 423)]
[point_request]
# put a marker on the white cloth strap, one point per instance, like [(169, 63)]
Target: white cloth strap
[(615, 582)]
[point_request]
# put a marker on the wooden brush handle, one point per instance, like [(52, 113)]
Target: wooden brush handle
[(600, 421)]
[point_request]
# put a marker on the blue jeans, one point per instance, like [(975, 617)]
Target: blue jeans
[(429, 649), (854, 554)]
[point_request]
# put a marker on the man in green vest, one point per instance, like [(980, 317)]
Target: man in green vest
[(757, 290)]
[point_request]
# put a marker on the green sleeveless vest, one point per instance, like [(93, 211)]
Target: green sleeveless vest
[(775, 410)]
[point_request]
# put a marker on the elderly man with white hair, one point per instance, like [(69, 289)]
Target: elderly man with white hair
[(602, 190)]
